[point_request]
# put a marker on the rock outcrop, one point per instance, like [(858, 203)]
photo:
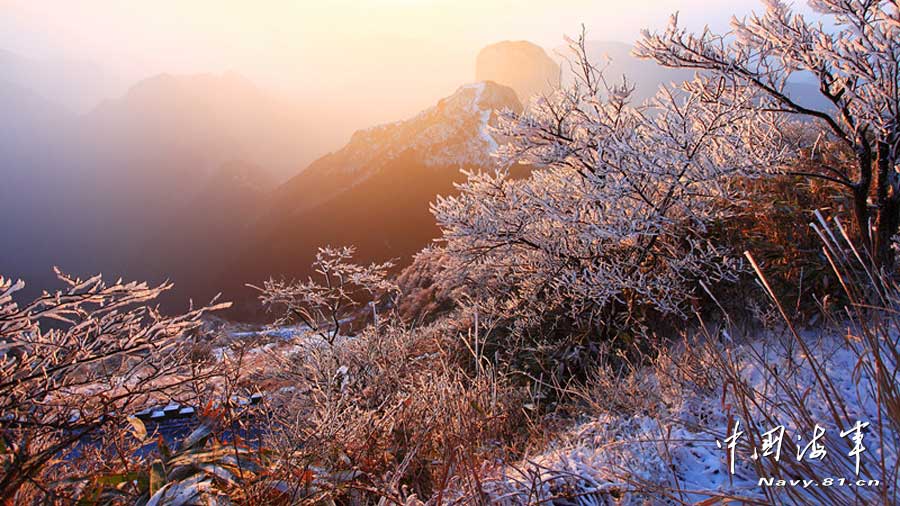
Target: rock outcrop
[(521, 65)]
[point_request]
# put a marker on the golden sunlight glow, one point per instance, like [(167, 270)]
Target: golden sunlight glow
[(398, 55)]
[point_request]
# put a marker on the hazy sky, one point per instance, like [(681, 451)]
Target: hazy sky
[(409, 51)]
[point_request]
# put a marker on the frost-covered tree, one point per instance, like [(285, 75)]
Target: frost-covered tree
[(323, 303), (74, 364), (855, 58), (616, 212)]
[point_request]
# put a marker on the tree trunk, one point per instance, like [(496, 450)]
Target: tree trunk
[(861, 213), (887, 218), (861, 189), (887, 224)]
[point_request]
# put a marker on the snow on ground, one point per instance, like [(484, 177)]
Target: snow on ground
[(287, 332), (673, 447)]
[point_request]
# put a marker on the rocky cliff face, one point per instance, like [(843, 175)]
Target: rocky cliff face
[(521, 65)]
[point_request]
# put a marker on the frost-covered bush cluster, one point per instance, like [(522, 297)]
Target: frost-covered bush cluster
[(616, 212), (323, 304), (74, 364), (853, 54), (390, 414)]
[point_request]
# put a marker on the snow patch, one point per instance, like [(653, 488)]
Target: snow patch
[(676, 447)]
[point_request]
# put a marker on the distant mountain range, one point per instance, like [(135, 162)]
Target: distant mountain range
[(530, 70), (74, 85), (88, 191), (180, 177), (207, 118)]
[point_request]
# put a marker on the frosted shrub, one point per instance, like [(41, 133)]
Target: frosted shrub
[(853, 53), (651, 437), (324, 302), (388, 415), (74, 364), (615, 214)]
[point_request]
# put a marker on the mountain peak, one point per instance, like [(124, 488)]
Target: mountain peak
[(166, 84), (521, 65), (483, 96)]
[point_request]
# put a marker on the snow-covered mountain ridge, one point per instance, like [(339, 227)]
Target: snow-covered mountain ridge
[(454, 132)]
